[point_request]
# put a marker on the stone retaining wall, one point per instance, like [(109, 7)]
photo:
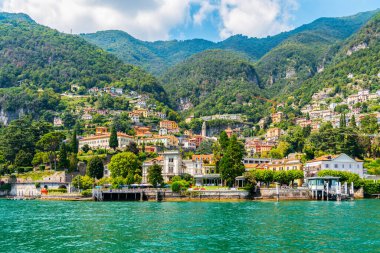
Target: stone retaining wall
[(271, 193)]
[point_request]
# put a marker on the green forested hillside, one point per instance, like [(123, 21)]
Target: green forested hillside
[(158, 56), (300, 56), (214, 81), (152, 56), (36, 55), (363, 63)]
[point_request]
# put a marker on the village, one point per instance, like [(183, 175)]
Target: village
[(180, 152)]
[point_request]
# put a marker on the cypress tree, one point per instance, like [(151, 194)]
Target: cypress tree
[(223, 140), (114, 143), (342, 120), (63, 162), (74, 142), (353, 122), (143, 147)]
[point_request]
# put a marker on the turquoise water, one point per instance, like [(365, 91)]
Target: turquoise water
[(299, 226)]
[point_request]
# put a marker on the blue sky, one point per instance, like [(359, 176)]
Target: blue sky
[(184, 19)]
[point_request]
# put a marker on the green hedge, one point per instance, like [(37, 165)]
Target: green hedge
[(5, 187), (58, 190), (370, 187)]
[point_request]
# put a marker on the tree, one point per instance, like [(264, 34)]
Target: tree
[(295, 174), (50, 143), (353, 122), (342, 122), (223, 140), (132, 147), (40, 158), (95, 168), (68, 120), (281, 177), (155, 175), (83, 182), (74, 142), (126, 165), (114, 143), (86, 148), (205, 147), (73, 165), (265, 176), (231, 165), (369, 124), (63, 162), (23, 158)]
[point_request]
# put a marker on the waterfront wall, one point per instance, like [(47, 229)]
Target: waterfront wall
[(4, 193), (29, 189), (271, 193)]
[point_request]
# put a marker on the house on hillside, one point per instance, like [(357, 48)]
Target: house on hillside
[(340, 162)]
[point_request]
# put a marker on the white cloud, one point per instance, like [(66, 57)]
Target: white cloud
[(256, 18), (155, 19), (145, 19), (205, 9)]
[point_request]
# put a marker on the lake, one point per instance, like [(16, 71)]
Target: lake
[(288, 226)]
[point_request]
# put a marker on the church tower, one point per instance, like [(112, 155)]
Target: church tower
[(204, 129)]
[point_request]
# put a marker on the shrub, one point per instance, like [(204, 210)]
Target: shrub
[(371, 187), (86, 193), (37, 185), (181, 185), (42, 167), (5, 187), (176, 178)]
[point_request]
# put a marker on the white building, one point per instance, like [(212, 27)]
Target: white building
[(102, 140), (171, 163), (340, 162)]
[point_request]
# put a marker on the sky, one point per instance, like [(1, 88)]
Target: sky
[(214, 20)]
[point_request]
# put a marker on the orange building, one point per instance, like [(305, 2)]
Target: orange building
[(168, 124)]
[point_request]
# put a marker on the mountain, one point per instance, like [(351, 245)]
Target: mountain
[(37, 63), (213, 81), (303, 54), (37, 55), (157, 57), (356, 64)]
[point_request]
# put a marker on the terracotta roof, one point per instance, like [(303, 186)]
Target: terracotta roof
[(323, 158)]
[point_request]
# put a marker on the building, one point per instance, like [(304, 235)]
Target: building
[(285, 164), (102, 137), (142, 131), (171, 163), (277, 117), (197, 140), (166, 141), (258, 146), (168, 124), (163, 131), (340, 162), (273, 134), (87, 116), (58, 122)]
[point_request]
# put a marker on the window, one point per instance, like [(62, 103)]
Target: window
[(171, 169), (171, 160), (342, 166), (335, 166), (326, 165)]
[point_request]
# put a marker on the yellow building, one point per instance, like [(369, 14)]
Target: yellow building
[(168, 124)]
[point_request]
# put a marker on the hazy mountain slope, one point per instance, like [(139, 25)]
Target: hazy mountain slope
[(358, 56), (158, 56), (302, 55)]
